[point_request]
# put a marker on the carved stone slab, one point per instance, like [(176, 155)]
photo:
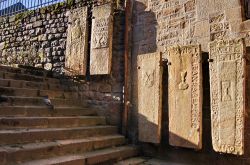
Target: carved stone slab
[(227, 83), (149, 97), (185, 96), (77, 42), (101, 40)]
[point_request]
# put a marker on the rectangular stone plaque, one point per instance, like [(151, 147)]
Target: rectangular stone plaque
[(77, 42), (101, 40), (227, 83), (185, 96), (149, 97)]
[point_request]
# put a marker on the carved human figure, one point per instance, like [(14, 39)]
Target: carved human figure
[(76, 48), (76, 38), (183, 85), (76, 30)]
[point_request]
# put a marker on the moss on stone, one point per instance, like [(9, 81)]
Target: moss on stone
[(43, 10), (20, 16), (5, 45), (70, 2)]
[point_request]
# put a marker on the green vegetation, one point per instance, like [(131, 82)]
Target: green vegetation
[(21, 16), (70, 3)]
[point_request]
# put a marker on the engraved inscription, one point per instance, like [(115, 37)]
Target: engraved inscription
[(101, 40), (149, 97), (76, 49), (185, 96), (227, 95), (149, 78), (100, 33)]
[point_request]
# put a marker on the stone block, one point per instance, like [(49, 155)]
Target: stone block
[(149, 97), (76, 48), (234, 14), (185, 96), (101, 40), (227, 86), (202, 29), (37, 23)]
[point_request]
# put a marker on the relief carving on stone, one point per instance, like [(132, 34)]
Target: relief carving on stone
[(149, 97), (185, 96), (101, 40), (77, 42), (227, 83)]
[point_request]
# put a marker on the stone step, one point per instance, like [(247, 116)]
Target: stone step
[(49, 134), (32, 151), (50, 122), (133, 161), (25, 70), (27, 77), (10, 91), (33, 111), (105, 156), (38, 101), (32, 84)]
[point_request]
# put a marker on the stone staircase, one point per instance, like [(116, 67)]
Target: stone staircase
[(67, 133)]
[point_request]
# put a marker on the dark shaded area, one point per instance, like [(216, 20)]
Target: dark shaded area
[(247, 8), (144, 33)]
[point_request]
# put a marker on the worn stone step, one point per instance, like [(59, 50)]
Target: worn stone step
[(33, 111), (10, 91), (133, 161), (27, 77), (25, 69), (49, 134), (32, 84), (38, 101), (105, 156), (50, 122), (111, 155), (21, 153)]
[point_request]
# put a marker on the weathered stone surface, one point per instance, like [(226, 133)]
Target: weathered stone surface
[(227, 83), (149, 97), (76, 49), (185, 96), (101, 40)]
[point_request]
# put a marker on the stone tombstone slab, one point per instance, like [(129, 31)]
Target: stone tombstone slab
[(101, 40), (77, 42), (227, 83), (185, 96), (149, 97)]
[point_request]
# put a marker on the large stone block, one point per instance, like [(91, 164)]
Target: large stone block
[(149, 97), (101, 40), (227, 83), (77, 42), (185, 96)]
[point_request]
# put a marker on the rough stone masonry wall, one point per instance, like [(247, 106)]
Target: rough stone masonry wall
[(35, 38), (158, 24), (38, 38)]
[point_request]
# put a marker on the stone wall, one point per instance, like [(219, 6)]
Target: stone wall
[(35, 38), (159, 24), (105, 92), (38, 38)]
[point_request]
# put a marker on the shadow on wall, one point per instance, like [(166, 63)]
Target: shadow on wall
[(144, 41)]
